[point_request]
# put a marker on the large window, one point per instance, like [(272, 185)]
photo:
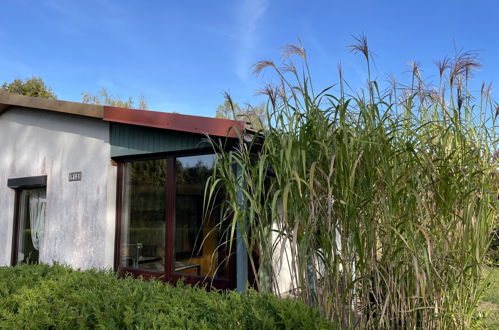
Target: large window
[(199, 241), (164, 231), (143, 219)]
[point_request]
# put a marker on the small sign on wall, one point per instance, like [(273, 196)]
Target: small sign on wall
[(74, 176)]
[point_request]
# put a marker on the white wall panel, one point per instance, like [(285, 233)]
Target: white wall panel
[(80, 215)]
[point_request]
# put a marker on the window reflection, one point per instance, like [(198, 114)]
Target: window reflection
[(143, 217), (197, 241), (198, 246)]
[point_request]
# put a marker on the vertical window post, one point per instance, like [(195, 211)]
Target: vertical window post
[(241, 250)]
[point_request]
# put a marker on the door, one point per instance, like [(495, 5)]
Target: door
[(29, 225)]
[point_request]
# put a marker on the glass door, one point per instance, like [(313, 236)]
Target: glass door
[(143, 216), (199, 239), (162, 229)]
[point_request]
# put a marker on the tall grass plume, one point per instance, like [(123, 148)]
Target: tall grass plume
[(378, 205)]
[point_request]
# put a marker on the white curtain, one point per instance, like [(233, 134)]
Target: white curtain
[(37, 204)]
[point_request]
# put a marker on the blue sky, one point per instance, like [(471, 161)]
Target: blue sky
[(181, 55)]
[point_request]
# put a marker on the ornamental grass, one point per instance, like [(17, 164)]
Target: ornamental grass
[(378, 203)]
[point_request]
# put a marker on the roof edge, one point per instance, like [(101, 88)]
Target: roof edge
[(163, 120), (174, 121), (82, 109)]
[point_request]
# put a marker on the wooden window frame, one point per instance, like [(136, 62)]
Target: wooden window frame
[(20, 184), (168, 274)]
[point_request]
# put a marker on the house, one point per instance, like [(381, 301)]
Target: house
[(102, 187)]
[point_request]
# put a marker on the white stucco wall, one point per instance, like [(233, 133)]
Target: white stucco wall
[(80, 215)]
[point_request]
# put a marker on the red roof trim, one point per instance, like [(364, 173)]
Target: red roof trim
[(174, 121)]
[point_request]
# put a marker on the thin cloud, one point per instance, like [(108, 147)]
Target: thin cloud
[(15, 68), (76, 17), (67, 11), (249, 14), (105, 83)]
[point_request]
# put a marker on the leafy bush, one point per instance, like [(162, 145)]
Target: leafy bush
[(42, 296)]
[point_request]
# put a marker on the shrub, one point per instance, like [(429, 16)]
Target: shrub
[(42, 296)]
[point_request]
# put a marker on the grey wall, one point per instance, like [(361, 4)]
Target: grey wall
[(80, 215)]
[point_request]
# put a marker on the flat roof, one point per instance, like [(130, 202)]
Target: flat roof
[(163, 120), (175, 121), (88, 110)]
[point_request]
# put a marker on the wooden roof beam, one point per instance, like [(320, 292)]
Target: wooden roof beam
[(88, 110)]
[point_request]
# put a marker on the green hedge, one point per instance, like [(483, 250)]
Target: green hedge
[(42, 296)]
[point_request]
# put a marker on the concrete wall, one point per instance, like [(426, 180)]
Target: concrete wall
[(80, 215)]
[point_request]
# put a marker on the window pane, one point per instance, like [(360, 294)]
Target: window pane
[(197, 240), (32, 204), (143, 217)]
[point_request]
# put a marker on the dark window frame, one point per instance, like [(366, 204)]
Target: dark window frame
[(168, 274), (20, 184)]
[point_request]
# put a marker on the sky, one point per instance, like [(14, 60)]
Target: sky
[(182, 55)]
